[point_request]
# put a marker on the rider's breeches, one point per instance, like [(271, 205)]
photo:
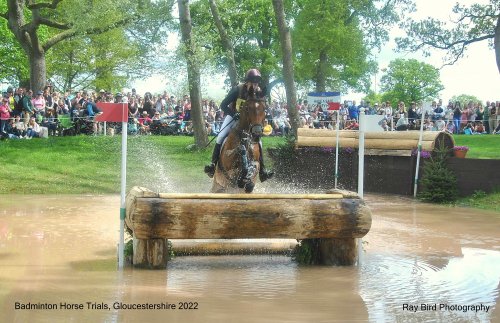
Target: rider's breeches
[(225, 128)]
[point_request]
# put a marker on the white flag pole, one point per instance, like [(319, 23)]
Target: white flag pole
[(361, 152), (361, 171), (121, 246), (337, 151), (419, 149)]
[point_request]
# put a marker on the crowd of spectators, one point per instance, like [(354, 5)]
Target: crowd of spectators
[(24, 114), (473, 118)]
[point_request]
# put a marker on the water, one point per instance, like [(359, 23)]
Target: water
[(62, 249)]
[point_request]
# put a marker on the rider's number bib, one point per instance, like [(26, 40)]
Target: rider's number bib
[(239, 104)]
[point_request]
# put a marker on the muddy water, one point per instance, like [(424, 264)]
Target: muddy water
[(57, 250)]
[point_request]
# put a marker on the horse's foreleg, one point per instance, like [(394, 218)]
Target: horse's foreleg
[(244, 167)]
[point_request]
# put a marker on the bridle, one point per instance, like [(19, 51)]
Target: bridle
[(254, 130)]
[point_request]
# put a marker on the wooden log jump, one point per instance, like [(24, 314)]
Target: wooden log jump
[(383, 143), (337, 218)]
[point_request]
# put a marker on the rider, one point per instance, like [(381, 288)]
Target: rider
[(229, 106)]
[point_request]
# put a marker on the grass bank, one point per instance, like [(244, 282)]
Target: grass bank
[(481, 146), (87, 164)]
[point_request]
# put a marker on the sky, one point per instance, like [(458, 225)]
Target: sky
[(474, 74)]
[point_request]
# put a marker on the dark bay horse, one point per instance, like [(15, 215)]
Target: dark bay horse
[(238, 164)]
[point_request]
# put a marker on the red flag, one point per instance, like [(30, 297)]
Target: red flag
[(112, 112), (333, 105)]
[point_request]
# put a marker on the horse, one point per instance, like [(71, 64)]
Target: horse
[(238, 164)]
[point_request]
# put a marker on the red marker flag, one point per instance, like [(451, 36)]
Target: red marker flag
[(112, 112), (333, 105)]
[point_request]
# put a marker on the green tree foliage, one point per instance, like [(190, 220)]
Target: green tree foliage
[(39, 27), (373, 97), (13, 62), (330, 46), (410, 80), (470, 24), (252, 28), (106, 61), (464, 99)]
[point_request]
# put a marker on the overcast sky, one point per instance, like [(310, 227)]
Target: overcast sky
[(475, 74)]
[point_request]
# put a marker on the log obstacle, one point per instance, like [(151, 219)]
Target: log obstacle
[(337, 218), (376, 143)]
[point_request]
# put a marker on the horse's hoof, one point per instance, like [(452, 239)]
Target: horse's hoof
[(265, 175), (241, 183), (249, 187), (210, 170)]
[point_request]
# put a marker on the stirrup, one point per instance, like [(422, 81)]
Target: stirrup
[(210, 170), (264, 175)]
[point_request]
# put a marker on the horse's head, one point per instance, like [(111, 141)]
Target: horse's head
[(253, 112)]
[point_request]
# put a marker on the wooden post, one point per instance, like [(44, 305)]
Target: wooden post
[(150, 253)]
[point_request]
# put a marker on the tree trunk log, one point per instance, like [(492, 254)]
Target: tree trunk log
[(231, 216)]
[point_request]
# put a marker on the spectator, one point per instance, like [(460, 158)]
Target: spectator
[(493, 112), (402, 123), (478, 128), (438, 111), (468, 129), (354, 111), (4, 113), (479, 113), (144, 123), (38, 104), (412, 115), (457, 116), (18, 103), (19, 128), (440, 125), (352, 125), (280, 124), (267, 130), (33, 129), (50, 121)]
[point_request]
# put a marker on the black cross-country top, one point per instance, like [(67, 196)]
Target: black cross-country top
[(228, 105)]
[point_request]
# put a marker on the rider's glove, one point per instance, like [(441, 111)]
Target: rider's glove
[(236, 116)]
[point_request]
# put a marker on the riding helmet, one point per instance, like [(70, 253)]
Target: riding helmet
[(253, 75)]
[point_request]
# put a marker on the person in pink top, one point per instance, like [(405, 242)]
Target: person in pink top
[(4, 113), (38, 103)]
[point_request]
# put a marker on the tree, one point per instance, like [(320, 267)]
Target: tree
[(333, 40), (464, 99), (38, 27), (286, 49), (410, 80), (13, 62), (193, 68), (227, 44), (250, 26), (472, 24)]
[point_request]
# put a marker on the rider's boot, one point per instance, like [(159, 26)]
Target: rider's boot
[(210, 169), (264, 174)]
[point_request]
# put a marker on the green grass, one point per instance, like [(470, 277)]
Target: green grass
[(87, 164), (481, 146), (482, 200)]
